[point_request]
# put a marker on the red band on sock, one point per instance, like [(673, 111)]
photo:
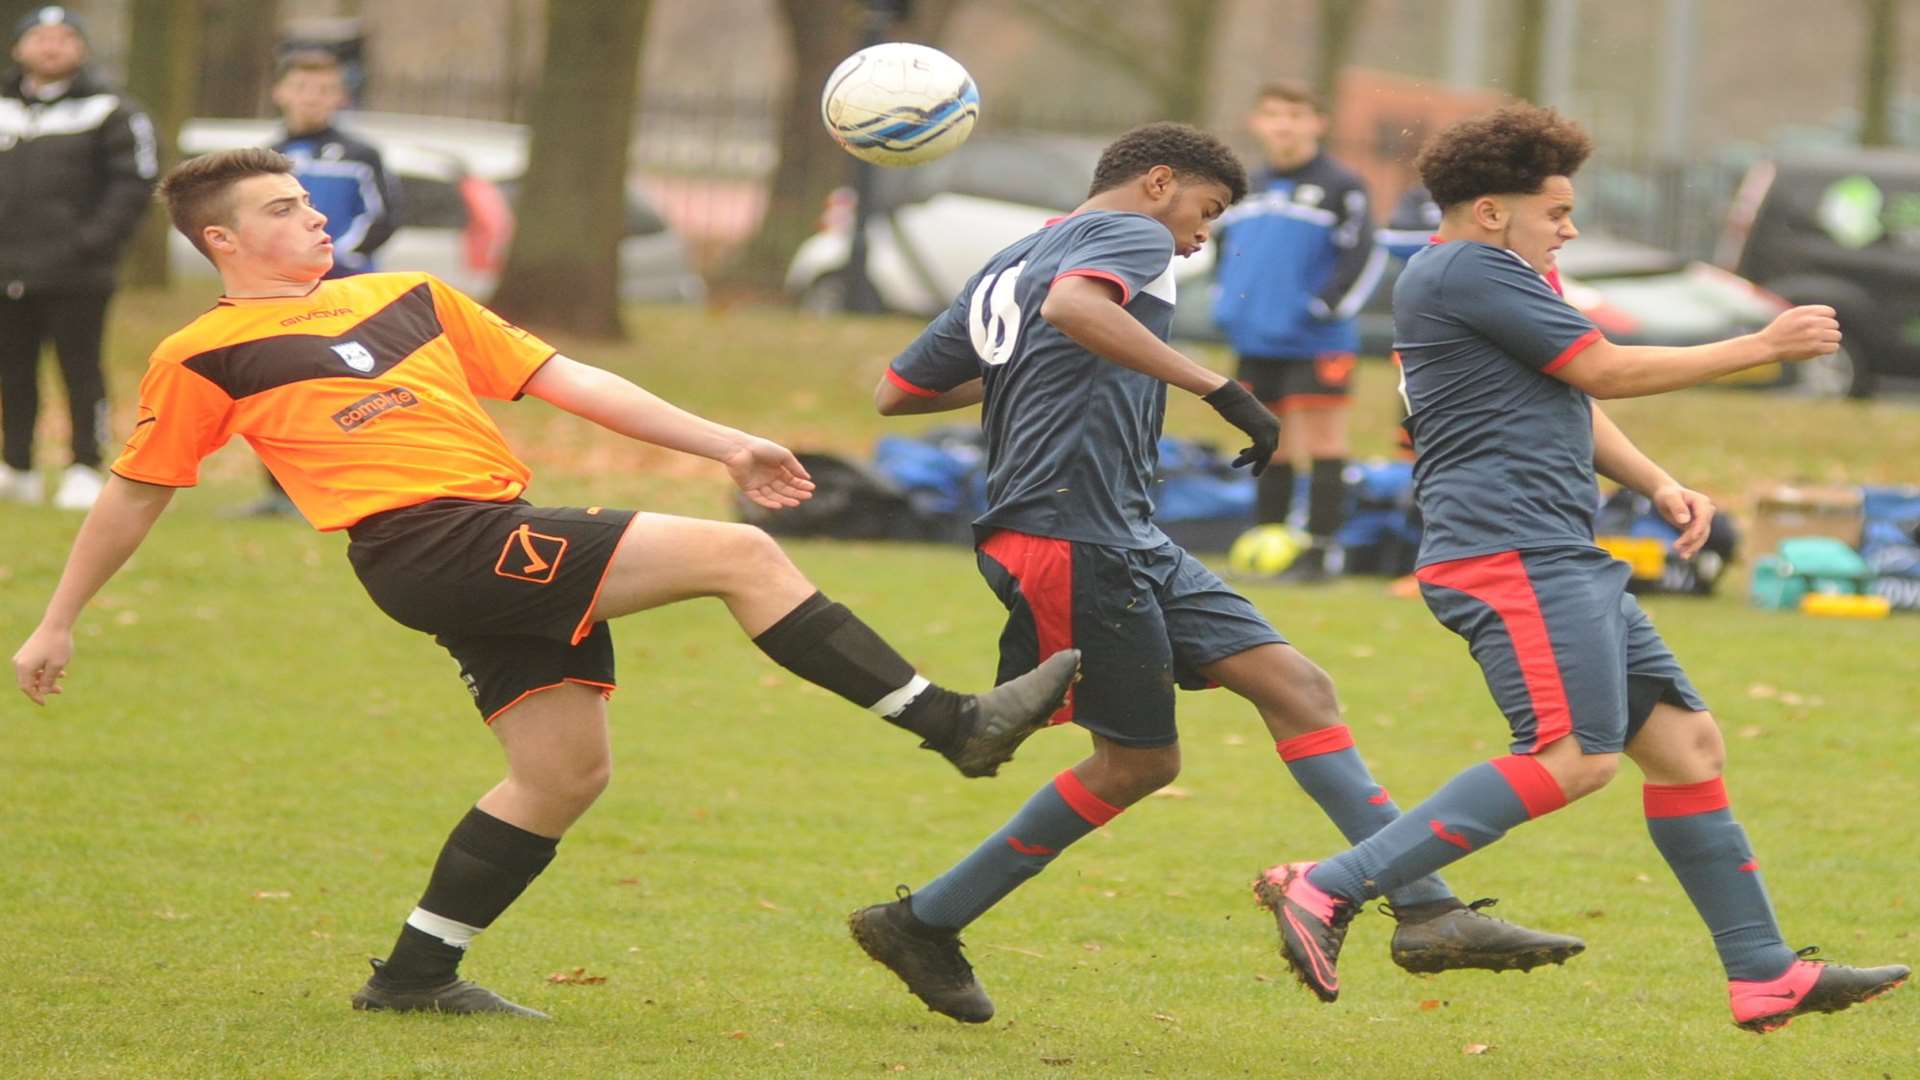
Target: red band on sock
[(1539, 792), (1092, 807), (1327, 740), (1682, 800)]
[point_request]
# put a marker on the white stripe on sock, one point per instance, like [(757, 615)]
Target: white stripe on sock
[(899, 699), (457, 934)]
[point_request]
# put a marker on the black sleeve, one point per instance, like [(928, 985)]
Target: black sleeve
[(128, 158), (1354, 273), (387, 219)]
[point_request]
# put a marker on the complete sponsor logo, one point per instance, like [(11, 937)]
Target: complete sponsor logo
[(373, 406), (322, 313)]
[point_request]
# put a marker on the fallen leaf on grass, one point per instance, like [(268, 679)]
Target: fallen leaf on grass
[(1056, 1061), (1173, 792), (1761, 691), (628, 881), (1232, 740), (1166, 1018), (1012, 949), (736, 1034), (272, 894), (1752, 731), (1431, 1003), (1257, 977), (577, 977), (768, 904), (1475, 1048)]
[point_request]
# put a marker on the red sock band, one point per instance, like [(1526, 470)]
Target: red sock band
[(1682, 800), (1328, 740), (1092, 807), (1539, 792)]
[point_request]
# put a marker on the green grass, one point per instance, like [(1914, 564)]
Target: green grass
[(240, 794)]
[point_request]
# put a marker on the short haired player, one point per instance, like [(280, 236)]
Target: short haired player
[(361, 394)]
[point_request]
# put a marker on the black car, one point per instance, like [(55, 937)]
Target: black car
[(1839, 227)]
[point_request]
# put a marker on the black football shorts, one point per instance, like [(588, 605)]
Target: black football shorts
[(507, 588)]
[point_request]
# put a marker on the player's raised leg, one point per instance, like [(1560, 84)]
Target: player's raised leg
[(917, 936), (1435, 931), (1314, 901), (558, 762), (1691, 820), (664, 559)]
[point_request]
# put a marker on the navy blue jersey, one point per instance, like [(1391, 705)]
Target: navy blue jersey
[(1072, 439), (347, 182), (1505, 449), (1297, 260)]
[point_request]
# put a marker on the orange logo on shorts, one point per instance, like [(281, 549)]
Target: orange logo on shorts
[(1333, 369), (531, 556)]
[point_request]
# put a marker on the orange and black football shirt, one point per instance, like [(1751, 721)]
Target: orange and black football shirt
[(361, 396)]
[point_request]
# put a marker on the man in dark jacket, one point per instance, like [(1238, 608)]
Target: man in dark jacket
[(77, 163)]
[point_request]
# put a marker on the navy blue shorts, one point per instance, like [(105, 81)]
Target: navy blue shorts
[(1564, 647), (1144, 621)]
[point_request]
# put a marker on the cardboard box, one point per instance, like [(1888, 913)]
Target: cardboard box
[(1788, 510)]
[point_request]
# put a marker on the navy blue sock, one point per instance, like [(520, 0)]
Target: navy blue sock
[(1693, 826), (1056, 815), (1328, 768), (1470, 811)]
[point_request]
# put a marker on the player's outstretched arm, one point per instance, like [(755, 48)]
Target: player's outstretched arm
[(765, 471), (1616, 458), (1606, 370), (1088, 310), (112, 531)]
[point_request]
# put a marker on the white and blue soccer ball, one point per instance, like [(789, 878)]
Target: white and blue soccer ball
[(899, 104)]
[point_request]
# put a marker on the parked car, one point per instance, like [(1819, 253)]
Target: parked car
[(932, 226), (1839, 227), (457, 182)]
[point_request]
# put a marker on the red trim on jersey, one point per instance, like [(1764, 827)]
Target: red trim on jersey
[(1539, 792), (1126, 291), (1571, 351), (1553, 281), (1328, 740), (1093, 808), (1684, 800), (895, 378), (1500, 582), (1043, 567)]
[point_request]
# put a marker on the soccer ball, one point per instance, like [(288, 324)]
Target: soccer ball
[(1265, 550), (899, 104)]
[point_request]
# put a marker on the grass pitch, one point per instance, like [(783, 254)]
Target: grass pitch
[(241, 793)]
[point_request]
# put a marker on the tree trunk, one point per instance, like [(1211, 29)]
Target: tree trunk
[(1529, 37), (163, 74), (810, 164), (1878, 74), (1338, 25), (563, 270), (242, 34)]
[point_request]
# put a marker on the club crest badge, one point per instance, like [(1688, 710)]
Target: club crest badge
[(356, 356)]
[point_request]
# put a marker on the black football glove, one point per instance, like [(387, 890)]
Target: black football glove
[(1244, 411)]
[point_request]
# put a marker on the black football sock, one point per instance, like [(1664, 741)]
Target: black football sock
[(483, 868), (1273, 499), (827, 645), (1327, 499)]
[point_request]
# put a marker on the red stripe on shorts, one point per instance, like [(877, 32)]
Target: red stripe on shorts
[(1043, 566), (1500, 582)]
